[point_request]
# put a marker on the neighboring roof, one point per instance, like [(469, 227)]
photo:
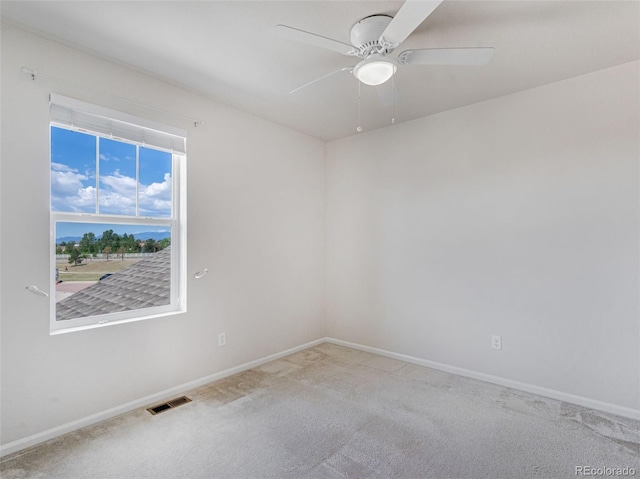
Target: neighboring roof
[(142, 285)]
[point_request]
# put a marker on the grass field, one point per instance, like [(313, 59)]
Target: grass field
[(92, 270)]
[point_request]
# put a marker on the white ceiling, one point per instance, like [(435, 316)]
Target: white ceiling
[(224, 50)]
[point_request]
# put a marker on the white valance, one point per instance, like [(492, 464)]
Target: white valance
[(79, 115)]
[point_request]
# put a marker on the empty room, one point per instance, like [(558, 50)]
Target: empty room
[(320, 239)]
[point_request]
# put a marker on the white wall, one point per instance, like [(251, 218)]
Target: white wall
[(517, 216), (256, 220)]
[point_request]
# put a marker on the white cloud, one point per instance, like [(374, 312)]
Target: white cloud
[(65, 181), (155, 199), (68, 192), (160, 190), (108, 157), (86, 197), (117, 193), (84, 200), (62, 167), (119, 184)]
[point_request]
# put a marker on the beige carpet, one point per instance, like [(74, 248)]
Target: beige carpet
[(333, 412)]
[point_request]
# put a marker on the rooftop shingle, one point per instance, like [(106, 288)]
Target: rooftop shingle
[(142, 285)]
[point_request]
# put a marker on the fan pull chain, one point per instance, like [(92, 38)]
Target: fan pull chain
[(393, 101), (359, 128)]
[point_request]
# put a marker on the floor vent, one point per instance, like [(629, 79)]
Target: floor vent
[(169, 405)]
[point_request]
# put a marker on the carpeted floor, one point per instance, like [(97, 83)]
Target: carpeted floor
[(333, 412)]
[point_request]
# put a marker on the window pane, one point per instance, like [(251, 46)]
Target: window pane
[(117, 193), (73, 171), (105, 268), (154, 194)]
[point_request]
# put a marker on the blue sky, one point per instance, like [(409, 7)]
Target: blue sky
[(74, 171)]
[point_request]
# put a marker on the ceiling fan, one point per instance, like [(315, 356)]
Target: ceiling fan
[(375, 37)]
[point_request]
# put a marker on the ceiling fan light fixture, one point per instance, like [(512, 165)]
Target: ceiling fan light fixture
[(375, 70)]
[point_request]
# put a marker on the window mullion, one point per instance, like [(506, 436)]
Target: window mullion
[(97, 175), (137, 180)]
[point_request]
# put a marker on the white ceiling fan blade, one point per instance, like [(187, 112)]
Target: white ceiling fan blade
[(410, 15), (308, 38), (345, 69), (447, 56)]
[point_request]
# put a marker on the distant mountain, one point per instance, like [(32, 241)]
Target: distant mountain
[(159, 235), (69, 239), (145, 235)]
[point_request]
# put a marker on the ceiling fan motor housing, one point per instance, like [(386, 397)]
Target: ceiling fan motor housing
[(365, 35)]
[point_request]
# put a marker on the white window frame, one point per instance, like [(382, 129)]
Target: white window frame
[(176, 223)]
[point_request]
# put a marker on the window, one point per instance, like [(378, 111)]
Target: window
[(117, 217)]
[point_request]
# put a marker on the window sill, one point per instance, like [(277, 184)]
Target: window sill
[(105, 323)]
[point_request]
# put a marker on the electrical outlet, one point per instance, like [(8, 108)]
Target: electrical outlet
[(496, 342), (222, 339)]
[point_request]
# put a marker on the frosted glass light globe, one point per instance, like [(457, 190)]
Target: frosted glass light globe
[(374, 71)]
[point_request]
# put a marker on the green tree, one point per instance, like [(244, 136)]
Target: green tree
[(150, 246), (75, 257), (128, 242), (121, 251), (109, 238), (164, 242), (88, 243)]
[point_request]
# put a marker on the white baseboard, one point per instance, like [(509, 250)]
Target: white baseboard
[(43, 436), (146, 401), (530, 388)]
